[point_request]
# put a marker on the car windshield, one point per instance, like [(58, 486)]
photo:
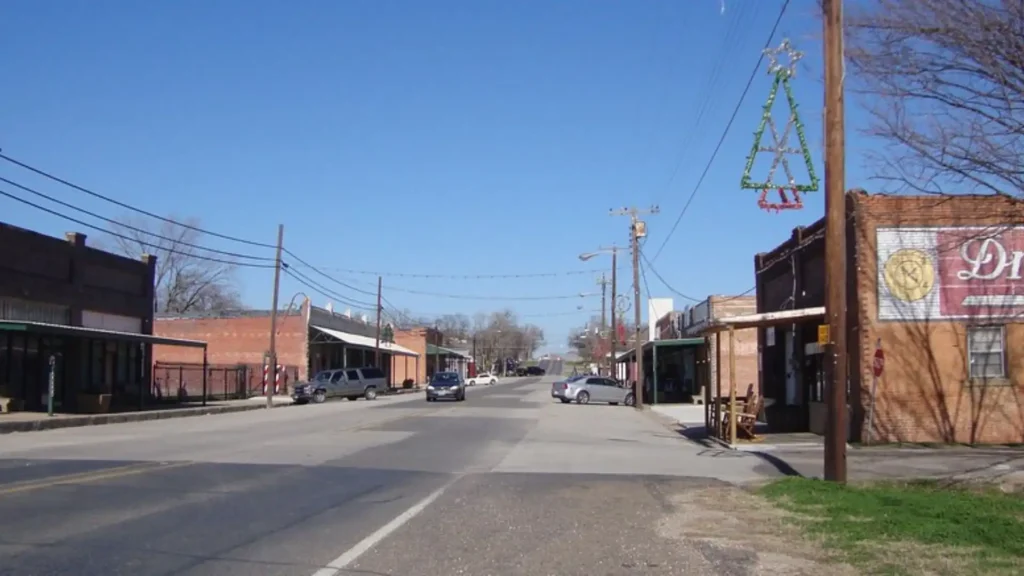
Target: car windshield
[(445, 378), (575, 378), (323, 376)]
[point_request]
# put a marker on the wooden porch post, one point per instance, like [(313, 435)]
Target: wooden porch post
[(718, 385), (654, 373), (732, 382)]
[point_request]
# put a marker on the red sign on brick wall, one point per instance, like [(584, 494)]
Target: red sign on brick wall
[(950, 273)]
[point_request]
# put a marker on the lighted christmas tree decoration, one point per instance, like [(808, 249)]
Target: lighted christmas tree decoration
[(778, 148)]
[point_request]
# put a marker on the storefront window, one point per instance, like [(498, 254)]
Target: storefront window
[(4, 362), (16, 382), (95, 367), (122, 363)]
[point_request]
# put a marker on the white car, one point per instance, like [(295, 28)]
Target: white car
[(483, 378)]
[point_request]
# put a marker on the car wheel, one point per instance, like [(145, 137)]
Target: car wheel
[(630, 399), (493, 382), (370, 394), (319, 396), (583, 398)]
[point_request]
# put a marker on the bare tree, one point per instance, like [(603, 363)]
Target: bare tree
[(186, 280), (456, 328), (944, 83)]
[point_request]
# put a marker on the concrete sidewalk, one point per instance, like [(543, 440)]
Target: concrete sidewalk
[(33, 421)]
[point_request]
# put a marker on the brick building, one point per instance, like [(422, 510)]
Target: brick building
[(89, 311), (696, 320), (935, 282), (309, 339)]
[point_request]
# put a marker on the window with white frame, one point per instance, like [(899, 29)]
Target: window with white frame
[(986, 352)]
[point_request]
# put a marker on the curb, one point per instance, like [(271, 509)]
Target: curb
[(102, 419)]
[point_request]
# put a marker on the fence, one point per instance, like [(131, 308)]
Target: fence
[(184, 382)]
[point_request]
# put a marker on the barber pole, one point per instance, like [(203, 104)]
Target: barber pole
[(277, 379)]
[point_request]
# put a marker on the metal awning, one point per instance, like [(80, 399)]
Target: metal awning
[(433, 350), (361, 341), (84, 332), (668, 343)]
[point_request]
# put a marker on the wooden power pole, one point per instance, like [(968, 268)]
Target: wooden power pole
[(380, 286), (615, 326), (271, 375), (637, 230), (603, 281), (835, 243)]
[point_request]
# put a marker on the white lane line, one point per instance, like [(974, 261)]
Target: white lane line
[(334, 567)]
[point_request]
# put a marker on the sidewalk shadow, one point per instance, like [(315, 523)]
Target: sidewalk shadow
[(779, 464)]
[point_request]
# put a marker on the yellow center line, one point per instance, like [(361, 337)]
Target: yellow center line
[(92, 476)]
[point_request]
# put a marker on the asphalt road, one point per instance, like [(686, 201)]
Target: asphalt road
[(507, 482), (553, 367)]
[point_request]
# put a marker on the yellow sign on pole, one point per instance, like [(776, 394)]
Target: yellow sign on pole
[(823, 335)]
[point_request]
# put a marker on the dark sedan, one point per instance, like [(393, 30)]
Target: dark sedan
[(446, 385)]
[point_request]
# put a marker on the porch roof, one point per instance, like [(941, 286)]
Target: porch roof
[(85, 332), (433, 350), (360, 341), (764, 319)]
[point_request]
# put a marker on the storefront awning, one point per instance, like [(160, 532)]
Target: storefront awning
[(361, 341), (629, 354), (435, 350), (83, 332)]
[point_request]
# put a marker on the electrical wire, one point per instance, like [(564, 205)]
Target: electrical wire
[(478, 297), (691, 298), (712, 86), (135, 229), (323, 291), (139, 241), (126, 206), (504, 276), (728, 126), (326, 275)]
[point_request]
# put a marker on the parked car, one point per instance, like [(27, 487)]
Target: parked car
[(535, 371), (586, 389), (446, 385), (484, 378), (520, 371), (351, 383)]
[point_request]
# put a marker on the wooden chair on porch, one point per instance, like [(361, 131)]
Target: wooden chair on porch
[(747, 411)]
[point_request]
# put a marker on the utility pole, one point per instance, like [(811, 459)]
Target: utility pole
[(836, 274), (835, 242), (637, 230), (380, 286), (604, 301), (272, 381), (615, 327)]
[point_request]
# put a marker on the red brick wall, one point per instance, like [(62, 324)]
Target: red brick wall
[(242, 340), (414, 339), (924, 394)]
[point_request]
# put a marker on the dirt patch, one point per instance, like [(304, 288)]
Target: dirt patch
[(724, 521)]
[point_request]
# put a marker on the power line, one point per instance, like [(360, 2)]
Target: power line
[(126, 206), (323, 291), (173, 241), (728, 126), (328, 276), (478, 297), (504, 276), (691, 298), (127, 238)]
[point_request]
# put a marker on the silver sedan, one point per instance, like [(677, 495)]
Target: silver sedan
[(587, 389)]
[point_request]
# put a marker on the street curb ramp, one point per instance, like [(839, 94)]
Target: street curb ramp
[(102, 419)]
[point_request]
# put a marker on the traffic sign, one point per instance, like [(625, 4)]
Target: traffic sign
[(823, 335), (879, 365)]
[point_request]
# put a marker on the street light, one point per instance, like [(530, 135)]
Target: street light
[(614, 251)]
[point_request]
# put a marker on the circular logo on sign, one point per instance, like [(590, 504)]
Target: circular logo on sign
[(909, 274)]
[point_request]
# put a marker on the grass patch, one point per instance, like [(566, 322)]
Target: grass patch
[(910, 528)]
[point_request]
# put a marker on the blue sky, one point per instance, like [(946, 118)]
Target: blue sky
[(448, 137)]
